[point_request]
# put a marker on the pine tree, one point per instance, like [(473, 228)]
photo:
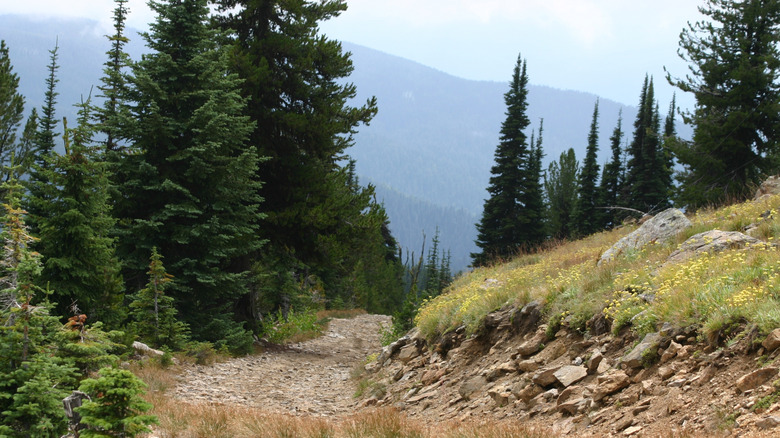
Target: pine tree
[(504, 226), (612, 179), (533, 194), (38, 186), (115, 407), (75, 226), (560, 185), (734, 65), (153, 313), (294, 80), (11, 109), (113, 87), (48, 121), (33, 380), (586, 216), (188, 184), (24, 154), (646, 173), (669, 142)]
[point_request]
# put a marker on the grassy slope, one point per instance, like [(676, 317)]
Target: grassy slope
[(710, 291)]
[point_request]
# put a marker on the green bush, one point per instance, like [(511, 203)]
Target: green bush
[(116, 408)]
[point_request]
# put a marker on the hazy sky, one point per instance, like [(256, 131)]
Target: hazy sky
[(600, 46)]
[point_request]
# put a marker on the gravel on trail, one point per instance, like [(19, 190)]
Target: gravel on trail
[(308, 378)]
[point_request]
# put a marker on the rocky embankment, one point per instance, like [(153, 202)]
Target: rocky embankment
[(309, 378), (665, 384)]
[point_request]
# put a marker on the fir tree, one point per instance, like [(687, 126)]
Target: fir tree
[(294, 80), (533, 194), (33, 380), (113, 82), (505, 224), (115, 407), (38, 185), (189, 185), (646, 173), (560, 185), (586, 216), (734, 65), (75, 227), (612, 179), (48, 121), (11, 109), (153, 313)]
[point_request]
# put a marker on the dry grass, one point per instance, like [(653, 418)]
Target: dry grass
[(182, 420)]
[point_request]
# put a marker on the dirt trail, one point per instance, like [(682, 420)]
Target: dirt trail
[(309, 378)]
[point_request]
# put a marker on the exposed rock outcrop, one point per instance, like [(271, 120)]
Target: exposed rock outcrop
[(662, 227), (709, 242)]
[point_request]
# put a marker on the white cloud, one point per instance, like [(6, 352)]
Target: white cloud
[(98, 10)]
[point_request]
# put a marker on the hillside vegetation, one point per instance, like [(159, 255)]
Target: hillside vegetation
[(637, 288)]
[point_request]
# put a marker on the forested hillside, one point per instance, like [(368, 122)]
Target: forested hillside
[(432, 138)]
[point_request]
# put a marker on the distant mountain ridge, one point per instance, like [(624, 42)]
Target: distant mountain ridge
[(429, 150)]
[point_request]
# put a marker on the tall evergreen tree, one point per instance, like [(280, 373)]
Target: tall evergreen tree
[(75, 229), (646, 173), (586, 215), (533, 194), (48, 121), (669, 142), (734, 66), (189, 185), (501, 229), (294, 80), (38, 185), (33, 381), (113, 86), (612, 179), (11, 109), (560, 185)]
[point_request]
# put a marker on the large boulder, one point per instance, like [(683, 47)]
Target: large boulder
[(769, 187), (660, 228), (710, 241)]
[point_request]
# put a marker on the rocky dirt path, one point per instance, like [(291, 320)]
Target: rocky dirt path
[(309, 378)]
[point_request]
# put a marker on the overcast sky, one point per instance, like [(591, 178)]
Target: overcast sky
[(599, 46)]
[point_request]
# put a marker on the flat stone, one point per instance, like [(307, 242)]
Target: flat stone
[(408, 353), (533, 345), (632, 430), (610, 384), (575, 405), (708, 242), (772, 341), (594, 361), (527, 366), (768, 422), (756, 378), (636, 357), (670, 352), (546, 377), (471, 386), (570, 374)]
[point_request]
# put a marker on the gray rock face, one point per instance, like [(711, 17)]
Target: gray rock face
[(660, 228), (772, 341), (570, 374), (710, 241), (769, 187), (648, 345), (472, 385), (756, 378)]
